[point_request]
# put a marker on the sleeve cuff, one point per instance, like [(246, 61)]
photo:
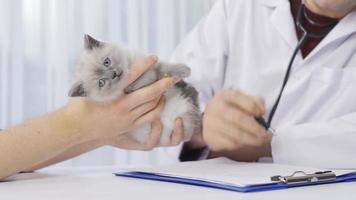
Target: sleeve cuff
[(188, 154)]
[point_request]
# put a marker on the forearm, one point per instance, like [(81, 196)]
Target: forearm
[(68, 154), (28, 144)]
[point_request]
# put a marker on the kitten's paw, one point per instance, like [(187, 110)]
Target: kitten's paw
[(179, 71)]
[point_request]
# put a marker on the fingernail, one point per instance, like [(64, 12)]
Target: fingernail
[(176, 80), (172, 81), (180, 121), (154, 57), (163, 99), (263, 110), (262, 104)]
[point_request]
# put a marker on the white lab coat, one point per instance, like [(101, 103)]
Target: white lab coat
[(247, 44)]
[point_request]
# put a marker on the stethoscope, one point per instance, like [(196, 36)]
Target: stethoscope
[(301, 15)]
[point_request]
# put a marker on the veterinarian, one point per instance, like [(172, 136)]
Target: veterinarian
[(239, 55), (81, 126)]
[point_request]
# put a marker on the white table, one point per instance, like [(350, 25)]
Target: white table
[(99, 183)]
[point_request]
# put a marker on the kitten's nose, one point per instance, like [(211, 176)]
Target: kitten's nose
[(116, 74)]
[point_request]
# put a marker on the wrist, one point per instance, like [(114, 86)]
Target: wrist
[(266, 149), (114, 141), (76, 118)]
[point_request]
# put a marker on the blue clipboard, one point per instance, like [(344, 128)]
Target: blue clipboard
[(231, 187)]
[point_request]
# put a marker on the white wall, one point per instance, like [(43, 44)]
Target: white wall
[(40, 40)]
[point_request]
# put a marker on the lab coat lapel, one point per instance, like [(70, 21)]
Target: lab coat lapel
[(345, 27), (282, 20)]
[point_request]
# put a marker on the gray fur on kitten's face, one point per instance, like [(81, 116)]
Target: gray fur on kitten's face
[(101, 72)]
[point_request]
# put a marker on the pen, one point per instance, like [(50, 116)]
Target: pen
[(263, 123)]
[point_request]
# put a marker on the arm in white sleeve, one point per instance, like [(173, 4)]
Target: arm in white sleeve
[(329, 144), (204, 50)]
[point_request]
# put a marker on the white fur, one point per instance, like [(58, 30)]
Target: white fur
[(176, 106)]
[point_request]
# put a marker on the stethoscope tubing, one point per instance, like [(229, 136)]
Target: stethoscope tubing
[(302, 40)]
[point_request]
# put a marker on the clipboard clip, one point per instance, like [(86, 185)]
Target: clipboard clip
[(302, 177)]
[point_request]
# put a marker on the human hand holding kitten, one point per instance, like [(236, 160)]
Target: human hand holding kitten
[(102, 75)]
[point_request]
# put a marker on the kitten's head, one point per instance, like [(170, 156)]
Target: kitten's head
[(101, 72)]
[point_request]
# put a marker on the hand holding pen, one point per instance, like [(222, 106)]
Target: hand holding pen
[(229, 121)]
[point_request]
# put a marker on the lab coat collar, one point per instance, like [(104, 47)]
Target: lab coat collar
[(272, 3), (282, 20), (344, 28)]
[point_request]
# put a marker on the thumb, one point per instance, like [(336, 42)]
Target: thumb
[(141, 66), (260, 102)]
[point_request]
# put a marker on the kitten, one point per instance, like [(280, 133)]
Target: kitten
[(102, 73)]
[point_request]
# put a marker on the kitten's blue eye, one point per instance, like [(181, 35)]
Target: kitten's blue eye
[(102, 83), (107, 62)]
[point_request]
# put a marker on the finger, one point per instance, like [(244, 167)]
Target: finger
[(243, 138), (155, 135), (144, 108), (150, 92), (220, 143), (140, 66), (177, 135), (244, 102), (151, 115), (237, 136), (244, 122)]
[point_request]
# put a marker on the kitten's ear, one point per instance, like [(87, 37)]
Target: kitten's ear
[(91, 43), (77, 90)]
